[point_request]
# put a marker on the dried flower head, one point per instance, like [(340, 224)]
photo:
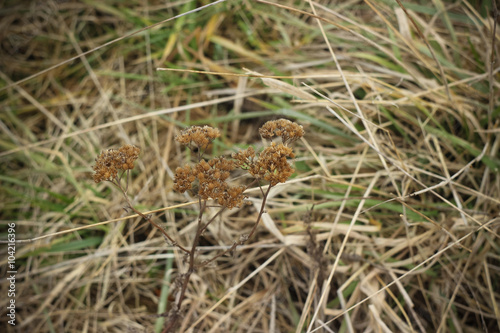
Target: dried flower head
[(287, 130), (110, 161), (244, 159), (212, 181), (198, 136), (272, 164)]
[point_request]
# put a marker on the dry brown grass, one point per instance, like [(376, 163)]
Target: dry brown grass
[(391, 222)]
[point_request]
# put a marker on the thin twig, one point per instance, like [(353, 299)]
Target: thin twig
[(148, 218)]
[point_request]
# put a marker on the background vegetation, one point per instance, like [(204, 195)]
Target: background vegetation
[(390, 223)]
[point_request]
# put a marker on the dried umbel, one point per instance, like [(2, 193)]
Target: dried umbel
[(111, 161), (271, 164), (287, 130), (197, 136), (211, 177)]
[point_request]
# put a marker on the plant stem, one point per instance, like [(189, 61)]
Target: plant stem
[(147, 218), (241, 241)]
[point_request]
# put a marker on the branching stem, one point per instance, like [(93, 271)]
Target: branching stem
[(117, 183)]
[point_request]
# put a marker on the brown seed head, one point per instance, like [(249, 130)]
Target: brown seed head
[(212, 177), (287, 130), (272, 164), (109, 162), (244, 158), (198, 136)]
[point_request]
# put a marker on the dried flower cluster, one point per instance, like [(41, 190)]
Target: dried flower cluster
[(271, 165), (110, 161), (212, 177), (198, 136), (287, 130)]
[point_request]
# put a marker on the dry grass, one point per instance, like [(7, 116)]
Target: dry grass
[(391, 222)]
